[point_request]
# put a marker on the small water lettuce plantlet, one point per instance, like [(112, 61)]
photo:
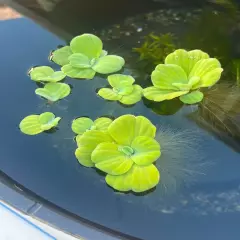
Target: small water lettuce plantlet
[(123, 89), (83, 124), (182, 75), (126, 152), (46, 74), (35, 124), (85, 57), (54, 91)]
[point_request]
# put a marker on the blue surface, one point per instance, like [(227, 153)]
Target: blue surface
[(46, 165)]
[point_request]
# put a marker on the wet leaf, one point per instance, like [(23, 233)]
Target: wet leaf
[(137, 179), (81, 73), (108, 64), (87, 44), (61, 55), (46, 74), (54, 91), (192, 97), (35, 124)]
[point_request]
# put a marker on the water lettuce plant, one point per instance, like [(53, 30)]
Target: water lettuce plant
[(183, 75), (83, 124), (85, 56), (35, 124), (46, 74), (54, 91), (126, 152), (123, 89)]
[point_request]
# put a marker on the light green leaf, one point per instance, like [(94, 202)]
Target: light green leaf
[(109, 159), (61, 55), (54, 91), (192, 97), (144, 127), (122, 129), (165, 75), (87, 143), (158, 95), (83, 155), (209, 71), (108, 64), (87, 44), (108, 94), (35, 124), (122, 84), (74, 72), (48, 120), (46, 74), (79, 60), (102, 123), (138, 179), (93, 138), (81, 125), (134, 97), (186, 60), (30, 125), (146, 150)]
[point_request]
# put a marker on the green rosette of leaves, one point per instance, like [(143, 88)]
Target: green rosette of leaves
[(126, 152), (85, 57), (54, 91), (35, 124), (46, 74), (182, 75), (123, 90)]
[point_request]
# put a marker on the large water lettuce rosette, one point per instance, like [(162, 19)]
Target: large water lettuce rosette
[(182, 75), (126, 152), (85, 57)]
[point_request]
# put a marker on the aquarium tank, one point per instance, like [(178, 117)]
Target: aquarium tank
[(126, 114)]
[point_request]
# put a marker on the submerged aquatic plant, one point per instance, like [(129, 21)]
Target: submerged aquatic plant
[(156, 47), (85, 56), (46, 74), (84, 124), (123, 89), (35, 124), (54, 91), (125, 152), (182, 75)]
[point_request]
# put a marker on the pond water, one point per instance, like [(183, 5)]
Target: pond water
[(199, 193)]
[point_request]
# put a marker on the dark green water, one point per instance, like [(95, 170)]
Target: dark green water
[(202, 195)]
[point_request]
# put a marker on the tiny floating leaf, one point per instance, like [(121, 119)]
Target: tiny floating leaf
[(123, 90), (54, 91), (46, 74), (35, 124)]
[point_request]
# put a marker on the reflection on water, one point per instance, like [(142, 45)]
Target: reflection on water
[(199, 169)]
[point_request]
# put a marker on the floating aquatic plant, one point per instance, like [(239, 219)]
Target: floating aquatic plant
[(126, 152), (182, 75), (34, 124), (46, 74), (83, 124), (85, 56), (54, 91), (123, 89)]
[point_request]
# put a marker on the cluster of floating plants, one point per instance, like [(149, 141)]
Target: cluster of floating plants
[(124, 148)]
